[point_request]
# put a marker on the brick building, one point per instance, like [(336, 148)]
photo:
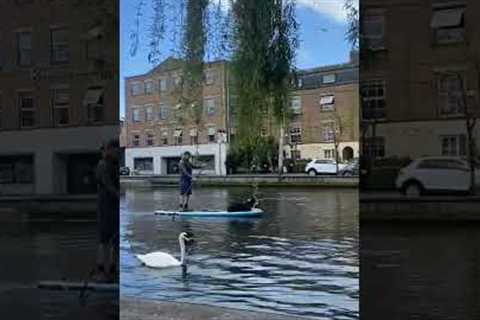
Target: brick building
[(58, 93), (157, 130), (326, 108), (415, 75)]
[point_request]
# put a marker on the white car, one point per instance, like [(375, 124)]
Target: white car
[(315, 167), (435, 174)]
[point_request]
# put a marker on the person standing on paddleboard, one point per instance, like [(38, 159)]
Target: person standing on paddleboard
[(108, 210), (186, 176)]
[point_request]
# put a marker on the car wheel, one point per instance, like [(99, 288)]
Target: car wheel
[(413, 190), (312, 172), (347, 173)]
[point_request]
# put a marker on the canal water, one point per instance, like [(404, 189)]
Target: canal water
[(420, 270), (300, 259), (40, 248)]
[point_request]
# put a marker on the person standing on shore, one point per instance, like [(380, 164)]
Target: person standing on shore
[(186, 177), (108, 207)]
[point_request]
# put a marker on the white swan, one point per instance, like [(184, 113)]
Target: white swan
[(164, 260)]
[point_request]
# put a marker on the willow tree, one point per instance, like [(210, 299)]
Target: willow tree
[(264, 45), (191, 98)]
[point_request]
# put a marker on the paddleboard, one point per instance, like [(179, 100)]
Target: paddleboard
[(76, 286), (253, 213)]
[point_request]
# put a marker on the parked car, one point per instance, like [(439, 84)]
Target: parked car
[(315, 167), (351, 169), (435, 174), (124, 171)]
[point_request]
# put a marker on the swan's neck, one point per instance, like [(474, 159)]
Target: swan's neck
[(182, 251)]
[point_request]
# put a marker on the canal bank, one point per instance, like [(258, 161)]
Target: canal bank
[(264, 180), (61, 206), (392, 206), (134, 309)]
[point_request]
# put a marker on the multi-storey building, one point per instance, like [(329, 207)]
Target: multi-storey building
[(158, 130), (325, 105), (58, 93), (419, 74)]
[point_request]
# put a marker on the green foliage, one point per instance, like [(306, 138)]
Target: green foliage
[(253, 157), (264, 46), (353, 29)]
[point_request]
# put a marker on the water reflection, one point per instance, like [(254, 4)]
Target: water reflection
[(421, 271), (300, 259), (44, 249)]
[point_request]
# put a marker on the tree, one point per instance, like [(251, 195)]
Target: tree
[(335, 129)]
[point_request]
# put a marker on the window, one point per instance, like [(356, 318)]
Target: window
[(210, 106), (374, 32), (59, 48), (149, 113), (373, 99), (149, 87), (295, 154), (211, 134), (176, 78), (163, 113), (210, 77), (193, 136), (136, 140), (94, 100), (296, 135), (327, 103), (329, 153), (449, 90), (328, 78), (27, 109), (143, 164), (60, 102), (150, 139), (136, 89), (296, 105), (178, 135), (24, 49), (375, 147), (16, 169), (443, 164), (136, 115), (328, 132), (454, 145), (162, 84), (448, 25), (165, 137)]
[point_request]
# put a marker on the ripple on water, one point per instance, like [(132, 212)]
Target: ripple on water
[(304, 265)]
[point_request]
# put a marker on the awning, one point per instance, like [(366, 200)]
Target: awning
[(178, 133), (93, 96), (326, 100), (193, 132), (447, 18), (62, 98), (212, 131)]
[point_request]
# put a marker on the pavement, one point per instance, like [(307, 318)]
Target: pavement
[(136, 309)]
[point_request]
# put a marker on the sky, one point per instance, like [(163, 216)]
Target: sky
[(321, 34)]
